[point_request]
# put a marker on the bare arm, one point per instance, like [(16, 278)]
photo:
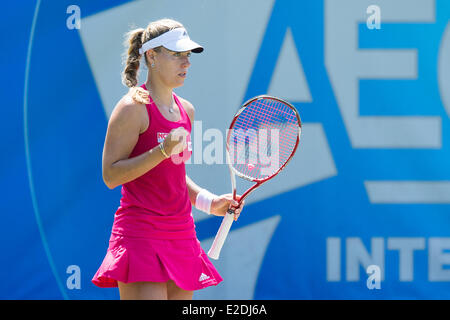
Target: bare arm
[(193, 189), (124, 126)]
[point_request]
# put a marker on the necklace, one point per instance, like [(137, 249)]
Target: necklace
[(171, 110), (171, 107)]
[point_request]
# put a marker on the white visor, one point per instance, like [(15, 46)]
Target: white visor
[(175, 40)]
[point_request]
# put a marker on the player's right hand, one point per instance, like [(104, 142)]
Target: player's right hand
[(175, 142)]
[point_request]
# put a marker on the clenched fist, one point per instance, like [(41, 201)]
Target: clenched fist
[(175, 142)]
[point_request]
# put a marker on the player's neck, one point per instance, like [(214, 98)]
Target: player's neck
[(160, 93)]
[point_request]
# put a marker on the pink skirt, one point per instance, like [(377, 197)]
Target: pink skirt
[(140, 259)]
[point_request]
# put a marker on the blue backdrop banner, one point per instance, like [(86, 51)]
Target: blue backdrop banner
[(361, 212)]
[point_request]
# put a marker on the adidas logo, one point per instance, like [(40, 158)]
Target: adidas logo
[(203, 277)]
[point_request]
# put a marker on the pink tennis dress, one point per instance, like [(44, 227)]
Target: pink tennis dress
[(153, 236)]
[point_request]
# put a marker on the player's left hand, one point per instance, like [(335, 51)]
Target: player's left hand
[(222, 203)]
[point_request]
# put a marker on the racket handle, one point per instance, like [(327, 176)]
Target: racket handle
[(221, 235)]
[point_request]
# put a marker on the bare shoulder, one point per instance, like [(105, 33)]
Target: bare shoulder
[(127, 105), (188, 107), (128, 112)]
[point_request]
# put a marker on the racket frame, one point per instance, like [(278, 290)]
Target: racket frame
[(233, 171), (227, 221)]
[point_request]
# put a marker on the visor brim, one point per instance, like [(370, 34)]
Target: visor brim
[(183, 45)]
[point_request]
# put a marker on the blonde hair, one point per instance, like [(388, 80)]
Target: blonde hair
[(134, 40)]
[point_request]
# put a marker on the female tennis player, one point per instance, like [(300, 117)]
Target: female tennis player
[(153, 250)]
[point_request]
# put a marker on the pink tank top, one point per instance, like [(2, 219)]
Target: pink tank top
[(156, 205)]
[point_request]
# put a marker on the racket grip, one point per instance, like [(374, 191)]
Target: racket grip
[(221, 235)]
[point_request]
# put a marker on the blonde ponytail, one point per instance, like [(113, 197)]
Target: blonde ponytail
[(130, 73)]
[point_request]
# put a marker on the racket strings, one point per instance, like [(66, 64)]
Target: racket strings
[(263, 138)]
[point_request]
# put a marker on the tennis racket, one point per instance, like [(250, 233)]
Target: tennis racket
[(262, 138)]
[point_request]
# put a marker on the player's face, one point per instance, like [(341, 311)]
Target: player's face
[(171, 67)]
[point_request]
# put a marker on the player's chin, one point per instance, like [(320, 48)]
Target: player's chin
[(178, 84), (179, 80)]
